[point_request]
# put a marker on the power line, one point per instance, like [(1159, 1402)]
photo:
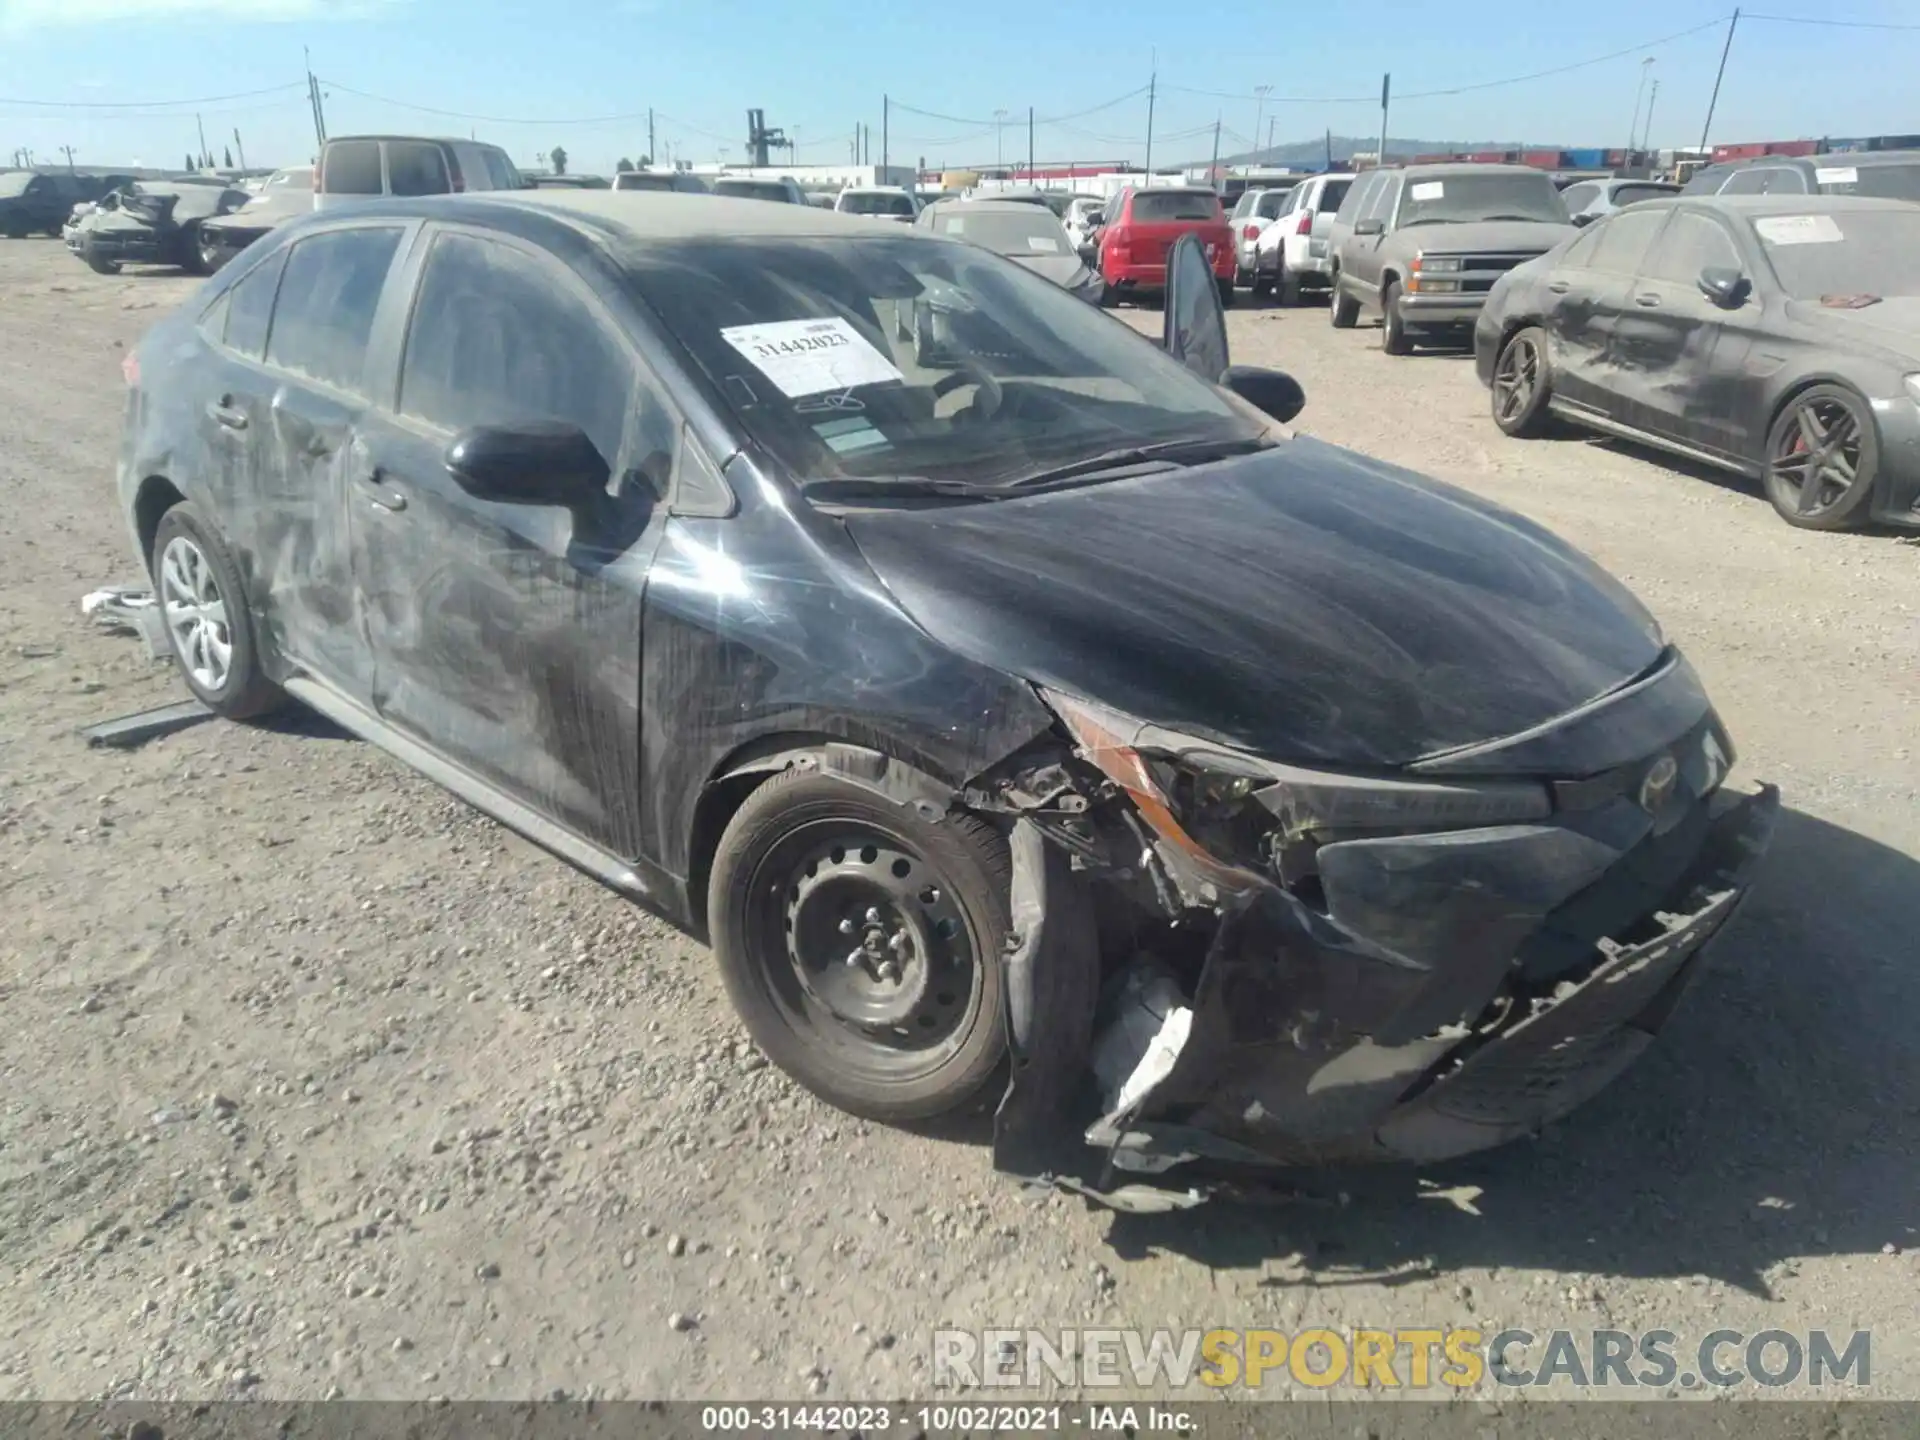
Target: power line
[(1823, 20), (489, 119), (151, 104)]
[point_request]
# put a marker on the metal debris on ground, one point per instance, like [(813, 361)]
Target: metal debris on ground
[(129, 731), (129, 607)]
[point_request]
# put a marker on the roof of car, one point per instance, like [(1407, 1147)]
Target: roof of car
[(989, 207), (423, 139), (661, 215), (1466, 167), (1837, 159), (1785, 204)]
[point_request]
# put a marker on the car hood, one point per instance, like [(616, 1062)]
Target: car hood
[(1893, 324), (1462, 236), (1063, 270), (1304, 602), (264, 212)]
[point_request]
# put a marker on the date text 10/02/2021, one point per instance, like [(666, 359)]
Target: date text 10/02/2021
[(922, 1419)]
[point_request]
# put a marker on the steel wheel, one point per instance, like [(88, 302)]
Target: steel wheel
[(876, 948), (196, 614), (1822, 456)]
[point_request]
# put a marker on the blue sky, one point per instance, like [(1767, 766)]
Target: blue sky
[(820, 67)]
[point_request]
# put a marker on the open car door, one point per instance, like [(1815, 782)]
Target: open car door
[(1196, 333)]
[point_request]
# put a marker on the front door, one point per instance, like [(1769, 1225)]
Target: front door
[(1195, 331), (1680, 356), (1590, 283), (507, 636)]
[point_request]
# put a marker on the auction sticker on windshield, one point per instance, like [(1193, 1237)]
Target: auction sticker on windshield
[(809, 357), (1043, 244), (1836, 175), (1427, 189), (1798, 229)]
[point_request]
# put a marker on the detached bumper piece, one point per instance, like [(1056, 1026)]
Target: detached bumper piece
[(1286, 1053)]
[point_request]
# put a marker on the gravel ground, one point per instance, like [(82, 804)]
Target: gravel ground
[(317, 1083)]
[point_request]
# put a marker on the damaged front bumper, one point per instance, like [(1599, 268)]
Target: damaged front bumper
[(1446, 992)]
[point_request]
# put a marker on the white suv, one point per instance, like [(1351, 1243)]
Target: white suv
[(1292, 253), (1252, 213)]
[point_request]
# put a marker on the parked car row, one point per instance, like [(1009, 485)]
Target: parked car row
[(760, 563)]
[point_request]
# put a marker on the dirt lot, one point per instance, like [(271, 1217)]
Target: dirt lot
[(315, 1082)]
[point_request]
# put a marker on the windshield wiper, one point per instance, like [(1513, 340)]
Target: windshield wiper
[(1529, 219), (1193, 452), (1429, 220), (886, 487)]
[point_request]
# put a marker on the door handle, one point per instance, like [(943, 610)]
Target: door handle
[(382, 497), (1647, 302), (1558, 287), (226, 414)]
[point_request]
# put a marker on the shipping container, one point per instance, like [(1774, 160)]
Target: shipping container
[(1843, 147), (1752, 151), (1894, 142), (1616, 158), (1586, 159), (1794, 147), (1433, 159), (1487, 157), (1543, 159)]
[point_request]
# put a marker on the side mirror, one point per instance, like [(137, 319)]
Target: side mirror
[(539, 462), (1370, 227), (1725, 286), (1274, 392)]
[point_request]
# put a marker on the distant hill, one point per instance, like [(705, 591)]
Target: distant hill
[(1296, 153)]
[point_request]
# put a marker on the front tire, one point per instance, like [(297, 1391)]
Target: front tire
[(210, 626), (1823, 457), (1394, 339), (1522, 384), (1343, 311), (861, 944)]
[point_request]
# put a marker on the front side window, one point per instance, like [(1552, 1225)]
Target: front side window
[(886, 357), (1692, 243), (328, 297), (351, 167), (1751, 181), (1380, 203), (1353, 205), (497, 337), (415, 168)]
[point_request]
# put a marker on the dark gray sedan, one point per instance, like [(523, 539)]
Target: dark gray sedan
[(1776, 336)]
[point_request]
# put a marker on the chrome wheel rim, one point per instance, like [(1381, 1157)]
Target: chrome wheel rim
[(1515, 379), (196, 614), (1816, 461)]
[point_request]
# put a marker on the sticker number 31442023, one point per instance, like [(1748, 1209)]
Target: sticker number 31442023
[(809, 357)]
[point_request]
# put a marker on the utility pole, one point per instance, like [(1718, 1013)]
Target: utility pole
[(1270, 123), (1030, 142), (1733, 23), (1260, 109), (1386, 94), (1329, 148), (999, 139), (653, 155), (1646, 132), (1153, 82), (1213, 166), (68, 151), (205, 158), (313, 99), (1640, 94), (239, 147), (886, 134)]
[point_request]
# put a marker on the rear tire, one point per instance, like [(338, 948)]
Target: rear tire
[(1394, 339), (1262, 284), (1289, 287), (813, 866), (210, 626), (1343, 312), (102, 267)]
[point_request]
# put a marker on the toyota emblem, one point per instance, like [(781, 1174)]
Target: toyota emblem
[(1657, 784)]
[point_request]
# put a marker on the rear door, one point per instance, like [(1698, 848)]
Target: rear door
[(1195, 331), (1361, 260), (300, 413), (1679, 356), (507, 637)]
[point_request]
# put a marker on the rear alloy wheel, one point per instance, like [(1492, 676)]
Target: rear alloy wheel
[(1823, 456), (860, 942), (1393, 330), (1522, 384), (209, 625), (1343, 311)]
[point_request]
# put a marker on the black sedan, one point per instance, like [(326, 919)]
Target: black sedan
[(1776, 336), (980, 678)]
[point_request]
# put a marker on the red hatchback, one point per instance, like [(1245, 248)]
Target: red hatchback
[(1142, 226)]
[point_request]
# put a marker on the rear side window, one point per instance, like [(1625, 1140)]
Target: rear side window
[(495, 339), (1353, 204), (415, 168), (1624, 240), (1633, 194), (1579, 197), (351, 167), (1157, 206), (1332, 196), (250, 307), (1272, 203), (328, 296)]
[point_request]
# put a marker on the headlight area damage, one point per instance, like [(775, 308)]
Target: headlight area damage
[(1303, 967)]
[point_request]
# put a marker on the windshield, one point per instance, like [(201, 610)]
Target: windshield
[(1867, 252), (1153, 206), (751, 189), (1523, 195), (875, 358), (875, 203), (15, 182), (634, 180), (1022, 234), (1633, 194), (1889, 182)]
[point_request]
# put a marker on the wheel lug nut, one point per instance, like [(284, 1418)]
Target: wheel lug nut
[(873, 916), (847, 927)]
